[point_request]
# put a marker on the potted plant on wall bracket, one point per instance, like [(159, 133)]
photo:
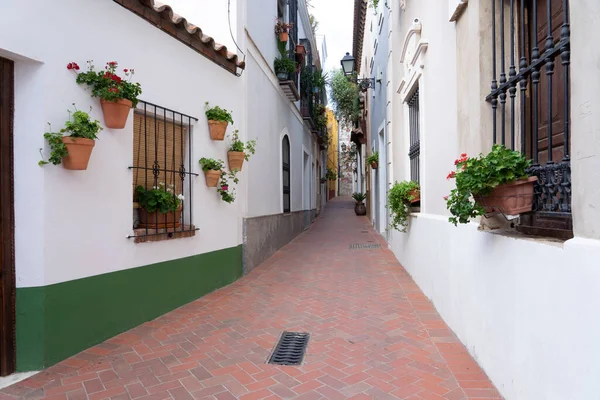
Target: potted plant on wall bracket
[(224, 189), (212, 170), (331, 175), (400, 198), (238, 151), (323, 180), (74, 150), (160, 207), (359, 207), (300, 53), (218, 119), (282, 30), (117, 95), (284, 67), (495, 183), (373, 159)]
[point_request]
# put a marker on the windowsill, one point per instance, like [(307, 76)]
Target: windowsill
[(142, 235), (520, 236)]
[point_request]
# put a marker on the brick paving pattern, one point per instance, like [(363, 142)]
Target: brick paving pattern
[(374, 335)]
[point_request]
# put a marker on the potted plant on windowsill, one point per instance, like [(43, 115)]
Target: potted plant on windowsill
[(238, 151), (373, 160), (160, 206), (74, 150), (282, 29), (359, 207), (218, 119), (284, 67), (495, 183), (117, 95), (400, 198), (212, 170)]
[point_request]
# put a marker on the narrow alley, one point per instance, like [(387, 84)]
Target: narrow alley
[(373, 334)]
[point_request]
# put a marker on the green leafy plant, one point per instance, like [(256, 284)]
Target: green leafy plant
[(224, 188), (160, 198), (217, 113), (249, 148), (344, 99), (79, 125), (331, 175), (210, 164), (323, 180), (373, 4), (107, 84), (373, 158), (284, 65), (306, 81), (477, 176), (399, 200), (320, 79), (359, 197)]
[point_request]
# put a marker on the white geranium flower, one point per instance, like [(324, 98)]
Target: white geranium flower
[(180, 197)]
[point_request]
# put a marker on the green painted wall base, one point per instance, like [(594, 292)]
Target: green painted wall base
[(57, 321)]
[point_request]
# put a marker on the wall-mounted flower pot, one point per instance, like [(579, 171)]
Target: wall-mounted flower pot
[(510, 198), (360, 209), (283, 37), (236, 159), (283, 76), (212, 177), (116, 112), (300, 49), (416, 196), (374, 164), (217, 129), (79, 150), (157, 220)]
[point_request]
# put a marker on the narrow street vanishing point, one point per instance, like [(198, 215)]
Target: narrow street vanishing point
[(373, 334)]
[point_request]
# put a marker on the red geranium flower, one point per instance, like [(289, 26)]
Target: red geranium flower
[(224, 188), (70, 66), (445, 197), (451, 175), (125, 70)]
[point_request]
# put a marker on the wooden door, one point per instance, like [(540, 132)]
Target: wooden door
[(557, 118), (7, 227)]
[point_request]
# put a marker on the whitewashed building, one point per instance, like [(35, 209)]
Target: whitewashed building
[(76, 268), (519, 298)]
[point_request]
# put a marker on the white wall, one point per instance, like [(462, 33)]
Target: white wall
[(73, 224), (524, 308)]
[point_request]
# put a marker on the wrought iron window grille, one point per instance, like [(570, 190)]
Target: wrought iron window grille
[(163, 155), (415, 136), (542, 39)]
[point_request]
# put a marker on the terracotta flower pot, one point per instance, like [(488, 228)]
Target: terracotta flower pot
[(217, 129), (510, 198), (116, 113), (157, 220), (283, 37), (360, 209), (416, 196), (212, 177), (374, 164), (79, 150), (236, 159)]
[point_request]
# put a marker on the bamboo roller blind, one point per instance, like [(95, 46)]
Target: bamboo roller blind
[(155, 139)]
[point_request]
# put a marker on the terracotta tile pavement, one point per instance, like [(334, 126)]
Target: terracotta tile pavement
[(374, 335)]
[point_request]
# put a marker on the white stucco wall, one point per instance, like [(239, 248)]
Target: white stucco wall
[(522, 307), (73, 224)]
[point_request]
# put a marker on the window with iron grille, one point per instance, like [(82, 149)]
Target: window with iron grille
[(414, 150), (162, 158), (530, 102), (285, 157)]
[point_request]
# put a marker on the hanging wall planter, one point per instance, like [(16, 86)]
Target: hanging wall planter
[(218, 120), (281, 30), (116, 112), (212, 170), (212, 177), (80, 151), (239, 151), (73, 151), (283, 37), (236, 159), (117, 95)]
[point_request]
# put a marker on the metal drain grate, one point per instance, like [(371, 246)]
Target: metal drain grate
[(290, 349), (364, 246)]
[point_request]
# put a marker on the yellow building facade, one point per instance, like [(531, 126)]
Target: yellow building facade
[(332, 153)]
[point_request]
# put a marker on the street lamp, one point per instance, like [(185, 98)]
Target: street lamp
[(349, 66)]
